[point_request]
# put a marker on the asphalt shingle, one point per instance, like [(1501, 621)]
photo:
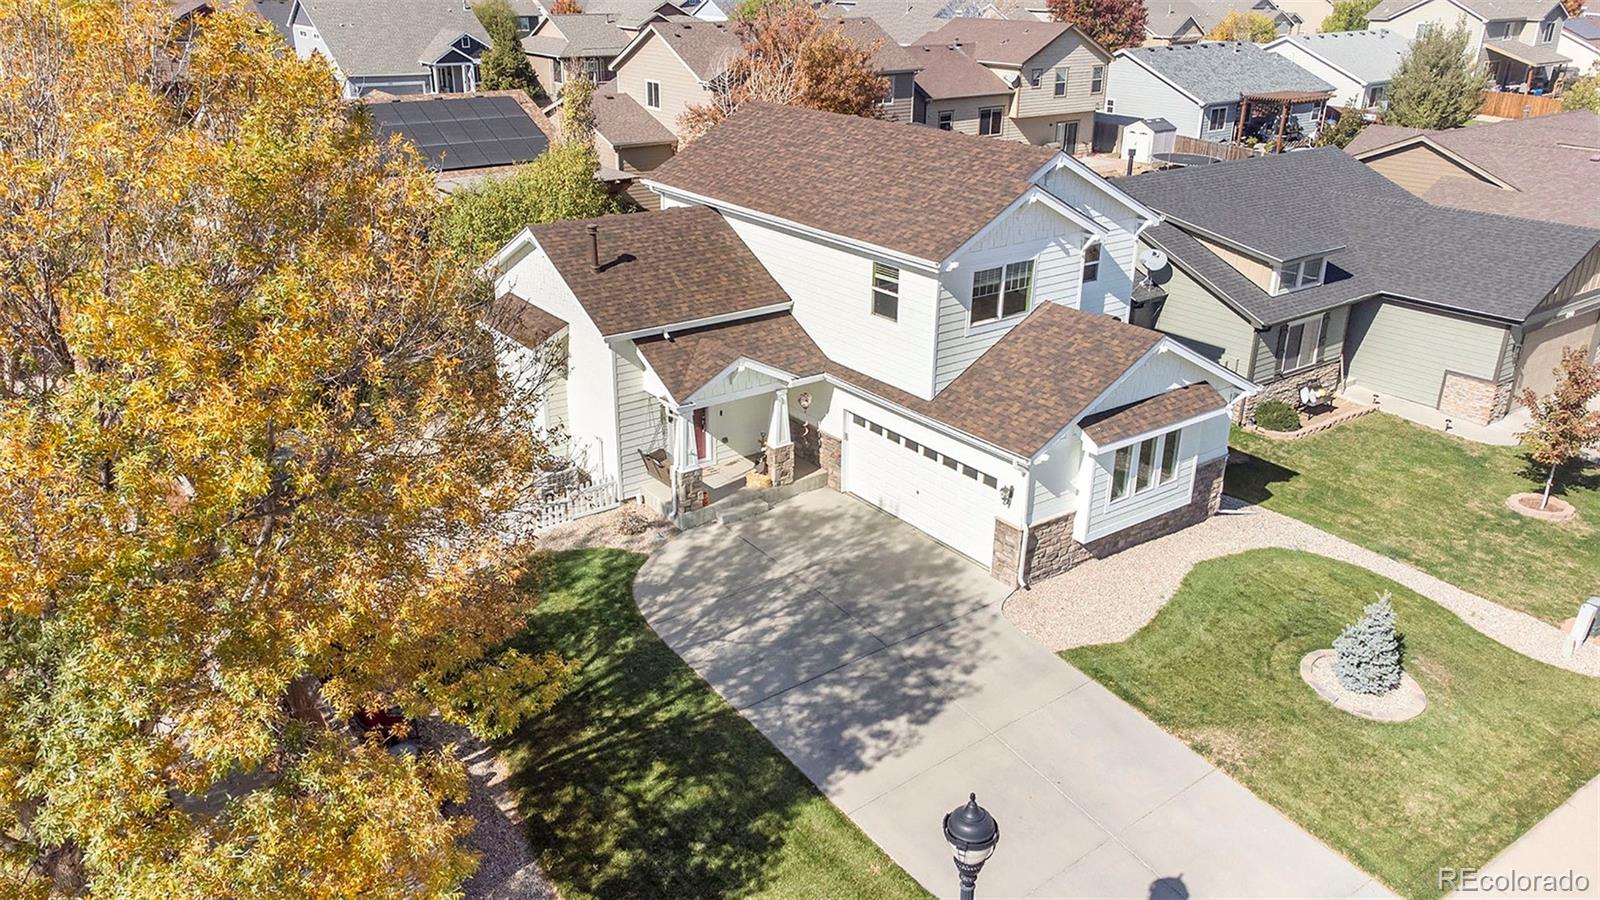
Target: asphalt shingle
[(1223, 71)]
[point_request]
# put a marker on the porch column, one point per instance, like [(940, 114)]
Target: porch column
[(688, 485), (780, 443)]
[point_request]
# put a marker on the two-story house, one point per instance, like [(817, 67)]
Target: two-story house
[(564, 47), (959, 359), (1170, 22), (395, 46), (1217, 90), (1359, 64), (1311, 271), (1516, 39), (1051, 78)]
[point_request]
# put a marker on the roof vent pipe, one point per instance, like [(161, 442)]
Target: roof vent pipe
[(594, 247)]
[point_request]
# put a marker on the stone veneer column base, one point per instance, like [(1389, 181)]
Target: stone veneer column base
[(691, 490), (1052, 550), (829, 455), (1007, 545), (1325, 375), (780, 464), (1475, 399)]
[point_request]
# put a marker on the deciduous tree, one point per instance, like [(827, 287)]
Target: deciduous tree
[(791, 54), (504, 66), (565, 8), (1340, 132), (1439, 82), (1563, 424), (1113, 24), (255, 458), (1348, 15), (1582, 93), (1253, 27)]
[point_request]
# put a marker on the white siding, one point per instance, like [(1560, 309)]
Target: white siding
[(1157, 375), (590, 395), (1134, 91), (1436, 12), (1119, 251), (641, 418), (1201, 442), (832, 292), (1055, 480), (1347, 91)]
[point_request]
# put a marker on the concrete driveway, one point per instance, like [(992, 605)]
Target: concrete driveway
[(879, 662)]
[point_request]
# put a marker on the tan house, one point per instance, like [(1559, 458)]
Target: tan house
[(1515, 39), (1541, 168), (564, 47), (1022, 80)]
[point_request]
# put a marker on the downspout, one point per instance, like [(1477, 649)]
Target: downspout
[(1027, 527)]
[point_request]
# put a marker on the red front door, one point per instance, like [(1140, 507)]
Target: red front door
[(700, 433)]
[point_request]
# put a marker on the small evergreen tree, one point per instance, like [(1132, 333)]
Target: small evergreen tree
[(1348, 15), (1439, 83), (1368, 651), (504, 67)]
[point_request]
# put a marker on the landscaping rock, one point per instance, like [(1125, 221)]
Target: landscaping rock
[(1399, 705), (1558, 510)]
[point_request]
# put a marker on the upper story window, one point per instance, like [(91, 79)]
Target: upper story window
[(886, 291), (652, 94), (1300, 343), (1501, 30), (989, 119), (1001, 292), (1547, 32), (1061, 82), (1216, 118), (946, 120), (1150, 463), (1097, 80), (1091, 263), (1036, 77), (1301, 274)]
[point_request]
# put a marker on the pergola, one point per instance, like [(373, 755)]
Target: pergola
[(1284, 100)]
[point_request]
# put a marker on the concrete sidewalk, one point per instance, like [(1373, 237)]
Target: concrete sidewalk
[(879, 662), (1567, 840)]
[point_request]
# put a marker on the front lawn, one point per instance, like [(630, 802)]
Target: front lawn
[(1436, 502), (642, 782), (1503, 742)]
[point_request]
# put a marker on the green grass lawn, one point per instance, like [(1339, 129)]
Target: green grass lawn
[(643, 783), (1503, 742), (1436, 502)]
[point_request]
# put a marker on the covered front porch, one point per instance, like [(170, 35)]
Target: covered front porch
[(1523, 68)]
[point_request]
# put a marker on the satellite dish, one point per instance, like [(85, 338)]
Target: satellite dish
[(1153, 260)]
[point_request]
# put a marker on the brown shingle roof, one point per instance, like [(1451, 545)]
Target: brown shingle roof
[(948, 73), (890, 56), (865, 179), (623, 122), (706, 47), (1144, 416), (1017, 396), (1001, 42), (659, 268), (520, 320)]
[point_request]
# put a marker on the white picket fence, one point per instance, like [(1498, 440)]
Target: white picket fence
[(576, 503)]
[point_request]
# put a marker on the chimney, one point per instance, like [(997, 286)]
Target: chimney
[(594, 247)]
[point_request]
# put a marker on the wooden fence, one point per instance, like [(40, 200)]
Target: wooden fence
[(1184, 144), (1509, 105)]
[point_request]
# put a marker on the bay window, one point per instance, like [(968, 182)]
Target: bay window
[(1147, 464)]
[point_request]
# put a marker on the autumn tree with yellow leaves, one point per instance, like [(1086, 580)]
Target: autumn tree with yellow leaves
[(257, 473)]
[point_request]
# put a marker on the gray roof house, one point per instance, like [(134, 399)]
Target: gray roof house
[(1359, 64), (1310, 270), (1517, 39), (1203, 89), (397, 46), (1188, 21), (908, 21)]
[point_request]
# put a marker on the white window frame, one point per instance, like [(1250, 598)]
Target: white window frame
[(1006, 276), (1310, 326), (1125, 485), (1091, 264), (1547, 32), (652, 92), (1298, 274), (1097, 80), (1035, 77), (886, 286), (946, 120), (1216, 118), (1111, 106), (997, 114), (1061, 81)]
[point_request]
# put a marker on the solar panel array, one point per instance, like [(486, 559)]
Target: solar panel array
[(463, 132)]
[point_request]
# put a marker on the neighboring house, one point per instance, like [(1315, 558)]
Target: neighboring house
[(907, 21), (1359, 64), (957, 358), (674, 63), (1516, 39), (1203, 88), (465, 139), (1169, 22), (629, 142), (1539, 168), (1580, 43), (896, 63), (563, 47), (1310, 270), (396, 46), (710, 10), (629, 15), (1053, 79)]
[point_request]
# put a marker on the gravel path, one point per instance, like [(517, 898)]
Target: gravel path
[(1107, 600), (507, 869)]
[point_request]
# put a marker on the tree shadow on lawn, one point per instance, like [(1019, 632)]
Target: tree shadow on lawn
[(1576, 475), (1250, 478), (641, 781)]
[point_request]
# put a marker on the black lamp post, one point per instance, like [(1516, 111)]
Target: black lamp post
[(972, 834)]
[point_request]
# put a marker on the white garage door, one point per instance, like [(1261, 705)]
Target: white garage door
[(952, 501)]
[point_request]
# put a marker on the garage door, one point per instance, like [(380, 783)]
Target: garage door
[(1541, 350), (941, 495)]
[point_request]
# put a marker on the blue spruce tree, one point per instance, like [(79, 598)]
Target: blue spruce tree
[(1368, 651)]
